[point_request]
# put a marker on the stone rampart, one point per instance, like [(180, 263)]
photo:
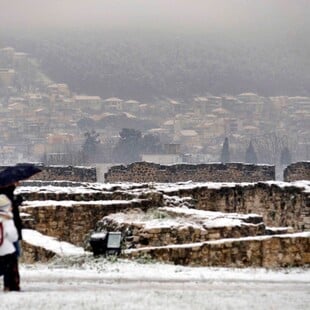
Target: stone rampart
[(150, 172), (297, 171), (68, 173)]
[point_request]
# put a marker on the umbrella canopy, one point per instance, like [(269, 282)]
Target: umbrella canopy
[(17, 173)]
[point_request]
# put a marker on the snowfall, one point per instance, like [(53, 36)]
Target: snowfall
[(77, 280)]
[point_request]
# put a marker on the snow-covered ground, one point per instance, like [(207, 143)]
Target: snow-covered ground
[(87, 283)]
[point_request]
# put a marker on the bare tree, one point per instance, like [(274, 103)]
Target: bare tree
[(269, 147), (286, 157)]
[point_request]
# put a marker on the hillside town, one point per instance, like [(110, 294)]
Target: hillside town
[(45, 121)]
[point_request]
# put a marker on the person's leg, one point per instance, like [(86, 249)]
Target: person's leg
[(5, 269), (17, 248), (11, 276), (2, 268), (16, 277)]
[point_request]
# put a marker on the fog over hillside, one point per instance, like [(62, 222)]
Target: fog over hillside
[(175, 48)]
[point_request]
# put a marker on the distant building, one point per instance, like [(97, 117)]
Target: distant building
[(20, 61), (59, 89), (162, 159), (248, 97), (131, 105), (171, 155), (6, 56), (114, 104), (6, 77), (172, 148), (93, 102)]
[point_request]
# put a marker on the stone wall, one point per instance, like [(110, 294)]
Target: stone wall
[(139, 234), (286, 205), (32, 254), (297, 171), (276, 251), (150, 172), (72, 221), (69, 173), (76, 214)]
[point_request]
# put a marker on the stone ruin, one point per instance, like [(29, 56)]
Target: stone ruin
[(297, 171), (199, 224), (61, 173), (145, 172), (212, 172)]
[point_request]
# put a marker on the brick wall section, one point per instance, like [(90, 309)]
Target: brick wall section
[(95, 195), (297, 171), (73, 222), (275, 251), (287, 206), (150, 172), (69, 173), (141, 236)]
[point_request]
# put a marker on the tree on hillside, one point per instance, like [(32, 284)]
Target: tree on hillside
[(85, 123), (269, 147), (250, 154), (90, 145), (132, 144), (225, 156), (129, 146), (150, 144)]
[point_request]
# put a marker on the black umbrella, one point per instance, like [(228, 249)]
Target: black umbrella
[(17, 173)]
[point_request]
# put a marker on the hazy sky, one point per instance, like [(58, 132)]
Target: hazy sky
[(144, 13)]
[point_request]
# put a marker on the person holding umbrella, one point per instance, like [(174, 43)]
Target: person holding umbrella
[(9, 180)]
